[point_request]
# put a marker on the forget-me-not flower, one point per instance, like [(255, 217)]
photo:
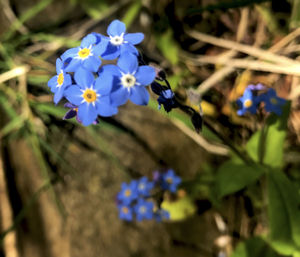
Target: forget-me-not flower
[(119, 41), (130, 80), (87, 55), (128, 192), (144, 186), (125, 212), (273, 103), (248, 102), (144, 210), (170, 181), (91, 96), (60, 82)]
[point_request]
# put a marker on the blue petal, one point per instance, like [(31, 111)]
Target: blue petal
[(87, 114), (247, 94), (58, 95), (129, 48), (59, 65), (73, 65), (111, 52), (88, 40), (128, 63), (119, 97), (145, 75), (92, 63), (106, 110), (104, 83), (134, 38), (100, 48), (98, 37), (52, 82), (116, 28), (84, 78), (74, 95), (110, 68), (139, 95), (67, 79), (70, 53), (70, 114)]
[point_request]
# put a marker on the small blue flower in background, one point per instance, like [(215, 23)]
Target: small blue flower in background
[(248, 102), (119, 41), (141, 199), (128, 193), (130, 80), (144, 186), (144, 210), (170, 181), (86, 56), (59, 82), (273, 103), (91, 96), (259, 86), (125, 212), (161, 214), (166, 99)]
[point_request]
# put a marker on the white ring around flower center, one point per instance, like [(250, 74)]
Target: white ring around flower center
[(128, 80), (117, 40)]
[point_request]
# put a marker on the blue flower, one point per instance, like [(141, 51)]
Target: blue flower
[(248, 102), (161, 214), (91, 96), (166, 99), (143, 210), (119, 41), (128, 193), (86, 56), (60, 82), (130, 80), (273, 103), (257, 87), (144, 186), (170, 181), (125, 212), (73, 112)]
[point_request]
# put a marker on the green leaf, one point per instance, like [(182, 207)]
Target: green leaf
[(180, 209), (132, 13), (284, 214), (168, 46), (295, 18), (254, 247), (267, 145), (232, 177)]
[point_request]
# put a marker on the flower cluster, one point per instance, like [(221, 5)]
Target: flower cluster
[(93, 89), (256, 94), (141, 198)]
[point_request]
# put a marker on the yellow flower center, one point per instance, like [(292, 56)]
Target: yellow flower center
[(84, 53), (248, 103), (125, 210), (169, 180), (127, 192), (90, 95), (60, 79), (274, 101)]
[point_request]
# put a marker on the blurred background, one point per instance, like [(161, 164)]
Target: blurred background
[(59, 180)]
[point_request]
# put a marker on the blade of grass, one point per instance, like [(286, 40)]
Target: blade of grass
[(16, 123), (132, 13), (31, 13)]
